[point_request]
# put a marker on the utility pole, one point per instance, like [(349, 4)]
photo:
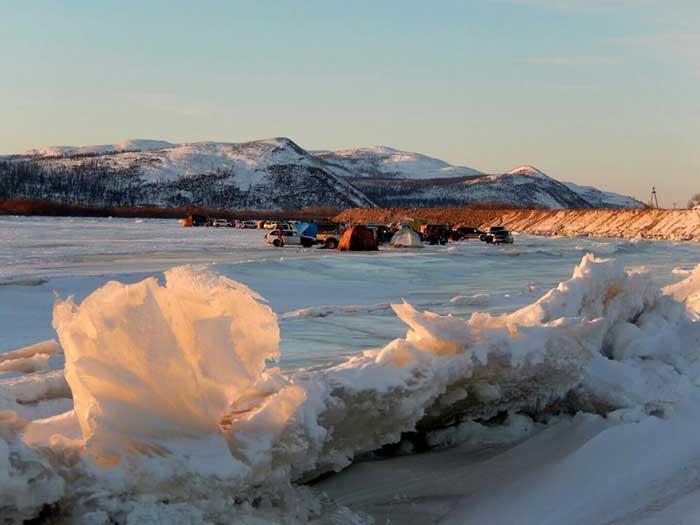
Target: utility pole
[(653, 200)]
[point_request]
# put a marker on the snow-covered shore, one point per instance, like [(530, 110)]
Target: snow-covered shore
[(177, 412), (678, 225)]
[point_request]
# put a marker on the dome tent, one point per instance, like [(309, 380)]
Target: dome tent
[(358, 238), (406, 238)]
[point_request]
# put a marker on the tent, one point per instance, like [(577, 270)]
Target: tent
[(357, 238), (406, 238), (307, 229)]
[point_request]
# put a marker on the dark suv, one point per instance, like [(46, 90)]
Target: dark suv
[(437, 233), (465, 233), (497, 235)]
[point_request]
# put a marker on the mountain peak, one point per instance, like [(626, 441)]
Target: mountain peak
[(276, 143), (529, 171)]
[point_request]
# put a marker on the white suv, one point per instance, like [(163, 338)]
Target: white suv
[(289, 238)]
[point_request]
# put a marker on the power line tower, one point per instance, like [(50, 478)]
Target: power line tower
[(653, 200)]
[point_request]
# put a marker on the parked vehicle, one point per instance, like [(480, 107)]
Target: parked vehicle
[(329, 234), (248, 224), (382, 233), (497, 235), (194, 220), (466, 233), (276, 225), (436, 233), (280, 238), (220, 223)]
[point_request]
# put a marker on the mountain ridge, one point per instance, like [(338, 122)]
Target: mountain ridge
[(276, 173)]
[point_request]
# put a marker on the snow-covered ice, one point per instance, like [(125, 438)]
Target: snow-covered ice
[(546, 395)]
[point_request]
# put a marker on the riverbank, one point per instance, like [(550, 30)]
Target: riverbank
[(676, 225), (42, 208)]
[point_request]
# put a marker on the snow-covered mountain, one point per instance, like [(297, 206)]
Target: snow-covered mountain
[(384, 162), (595, 197), (523, 187), (268, 174), (275, 174), (604, 199), (392, 177), (127, 145)]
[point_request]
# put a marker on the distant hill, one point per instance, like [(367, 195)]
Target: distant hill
[(275, 174), (385, 182), (269, 174), (384, 162)]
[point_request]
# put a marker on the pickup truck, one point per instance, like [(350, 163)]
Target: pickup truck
[(329, 234)]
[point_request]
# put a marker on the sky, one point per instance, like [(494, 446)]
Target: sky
[(597, 92)]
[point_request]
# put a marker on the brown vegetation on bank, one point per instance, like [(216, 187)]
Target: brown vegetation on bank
[(54, 209)]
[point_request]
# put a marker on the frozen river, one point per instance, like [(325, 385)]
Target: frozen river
[(578, 405), (330, 304)]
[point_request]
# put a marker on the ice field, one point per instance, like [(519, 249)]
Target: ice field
[(329, 304), (555, 380)]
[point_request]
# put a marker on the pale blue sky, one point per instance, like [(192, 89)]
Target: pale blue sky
[(599, 92)]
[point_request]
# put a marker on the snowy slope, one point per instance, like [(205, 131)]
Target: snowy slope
[(127, 145), (595, 197), (529, 171), (265, 174), (384, 162), (248, 162), (604, 199), (523, 187)]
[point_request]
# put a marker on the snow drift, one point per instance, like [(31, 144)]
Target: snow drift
[(172, 383), (688, 290)]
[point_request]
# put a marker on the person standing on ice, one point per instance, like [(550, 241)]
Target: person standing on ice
[(280, 237)]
